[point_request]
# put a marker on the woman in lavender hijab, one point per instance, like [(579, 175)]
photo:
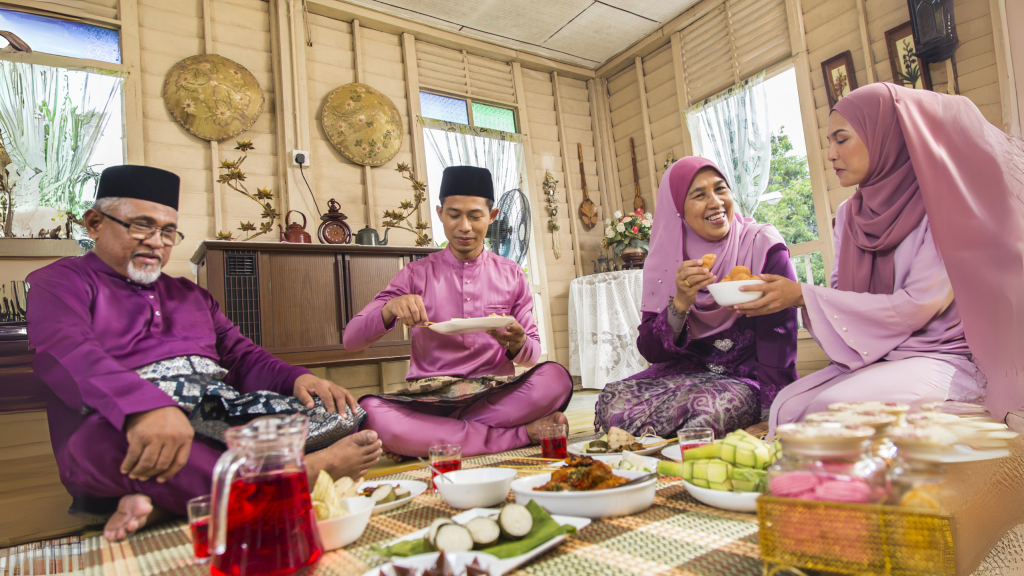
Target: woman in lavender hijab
[(939, 209), (711, 366)]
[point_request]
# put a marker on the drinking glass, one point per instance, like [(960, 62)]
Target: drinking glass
[(444, 458), (199, 521), (693, 438), (553, 439)]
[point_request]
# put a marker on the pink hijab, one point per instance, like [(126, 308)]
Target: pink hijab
[(937, 154), (672, 241)]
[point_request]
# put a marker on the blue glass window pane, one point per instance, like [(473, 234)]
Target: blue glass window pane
[(493, 117), (443, 108), (62, 37)]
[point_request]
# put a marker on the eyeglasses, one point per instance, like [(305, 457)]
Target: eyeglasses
[(140, 231)]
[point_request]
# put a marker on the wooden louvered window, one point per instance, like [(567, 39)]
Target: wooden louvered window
[(457, 72), (735, 40)]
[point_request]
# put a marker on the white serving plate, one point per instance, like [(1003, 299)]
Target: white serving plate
[(415, 488), (673, 452), (472, 325), (504, 565), (960, 453), (458, 561), (577, 447), (594, 504), (728, 294), (735, 501)]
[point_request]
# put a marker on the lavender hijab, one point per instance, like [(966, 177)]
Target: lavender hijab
[(672, 241), (936, 154)]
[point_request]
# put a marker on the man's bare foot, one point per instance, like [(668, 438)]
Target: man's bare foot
[(531, 428), (132, 512), (351, 456)]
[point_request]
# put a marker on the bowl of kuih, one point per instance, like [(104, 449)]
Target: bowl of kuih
[(727, 292), (342, 531), (476, 487)]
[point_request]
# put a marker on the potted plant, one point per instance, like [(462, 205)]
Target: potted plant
[(628, 236)]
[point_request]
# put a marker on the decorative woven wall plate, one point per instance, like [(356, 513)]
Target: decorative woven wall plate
[(363, 124), (212, 97)]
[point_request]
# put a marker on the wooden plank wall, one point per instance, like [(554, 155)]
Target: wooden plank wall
[(627, 121), (169, 32), (663, 108)]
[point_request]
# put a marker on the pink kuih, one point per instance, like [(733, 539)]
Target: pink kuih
[(824, 487)]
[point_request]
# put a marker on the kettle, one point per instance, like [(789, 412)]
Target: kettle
[(368, 237), (295, 233), (262, 521), (601, 265)]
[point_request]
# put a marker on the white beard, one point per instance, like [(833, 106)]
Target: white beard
[(143, 275)]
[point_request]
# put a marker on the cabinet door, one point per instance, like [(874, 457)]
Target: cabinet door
[(305, 300), (365, 276)]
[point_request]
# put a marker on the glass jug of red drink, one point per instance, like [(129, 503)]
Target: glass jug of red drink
[(262, 521)]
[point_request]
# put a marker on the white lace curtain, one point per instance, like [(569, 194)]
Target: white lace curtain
[(456, 144), (731, 129)]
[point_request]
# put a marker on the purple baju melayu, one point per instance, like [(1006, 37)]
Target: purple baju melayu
[(485, 423), (908, 346), (91, 328)]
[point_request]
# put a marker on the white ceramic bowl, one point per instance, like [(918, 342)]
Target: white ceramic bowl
[(735, 501), (476, 487), (728, 293), (592, 504), (338, 532)]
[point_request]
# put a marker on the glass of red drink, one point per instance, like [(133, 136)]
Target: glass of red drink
[(693, 438), (199, 521), (444, 458), (553, 440)]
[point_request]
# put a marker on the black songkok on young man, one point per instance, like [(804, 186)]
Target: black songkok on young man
[(467, 181), (141, 183)]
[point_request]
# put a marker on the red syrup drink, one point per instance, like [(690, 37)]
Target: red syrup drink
[(553, 447), (442, 467), (687, 446), (201, 537), (271, 527)]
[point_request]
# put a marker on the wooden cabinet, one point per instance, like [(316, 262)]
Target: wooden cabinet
[(296, 299)]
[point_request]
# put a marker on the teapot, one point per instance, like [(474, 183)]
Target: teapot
[(368, 237), (602, 265), (295, 233), (262, 520)]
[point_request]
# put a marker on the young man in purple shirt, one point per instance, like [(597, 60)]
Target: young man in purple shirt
[(105, 326)]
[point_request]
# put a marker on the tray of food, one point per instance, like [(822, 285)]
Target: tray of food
[(618, 441)]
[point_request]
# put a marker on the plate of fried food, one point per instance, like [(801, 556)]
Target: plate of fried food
[(472, 325), (589, 488), (727, 290), (618, 441)]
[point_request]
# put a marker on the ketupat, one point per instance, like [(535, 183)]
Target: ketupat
[(737, 448)]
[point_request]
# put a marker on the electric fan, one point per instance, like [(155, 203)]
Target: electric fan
[(510, 231)]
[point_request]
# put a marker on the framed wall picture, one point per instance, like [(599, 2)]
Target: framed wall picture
[(840, 79), (907, 68)]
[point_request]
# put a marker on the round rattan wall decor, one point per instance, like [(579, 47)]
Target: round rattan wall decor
[(363, 124), (212, 97)]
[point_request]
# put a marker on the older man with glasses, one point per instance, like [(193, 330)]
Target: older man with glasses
[(147, 373)]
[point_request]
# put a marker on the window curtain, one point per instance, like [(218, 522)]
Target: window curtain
[(51, 120), (456, 144), (731, 129)]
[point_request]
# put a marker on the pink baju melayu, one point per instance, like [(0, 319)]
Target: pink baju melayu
[(453, 288)]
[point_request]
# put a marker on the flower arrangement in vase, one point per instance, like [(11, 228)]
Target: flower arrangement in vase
[(628, 236)]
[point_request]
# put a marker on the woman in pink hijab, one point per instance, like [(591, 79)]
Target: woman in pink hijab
[(711, 366), (938, 210)]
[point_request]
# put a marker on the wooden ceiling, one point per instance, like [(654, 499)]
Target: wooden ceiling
[(582, 32)]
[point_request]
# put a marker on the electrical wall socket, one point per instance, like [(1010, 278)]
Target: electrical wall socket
[(295, 162)]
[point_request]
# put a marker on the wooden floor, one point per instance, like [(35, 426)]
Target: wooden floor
[(581, 423)]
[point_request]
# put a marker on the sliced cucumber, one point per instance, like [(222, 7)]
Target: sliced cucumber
[(485, 532), (453, 538), (515, 521)]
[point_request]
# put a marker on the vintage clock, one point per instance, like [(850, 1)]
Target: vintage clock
[(334, 229)]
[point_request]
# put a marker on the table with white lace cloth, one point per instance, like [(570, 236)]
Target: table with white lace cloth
[(604, 318)]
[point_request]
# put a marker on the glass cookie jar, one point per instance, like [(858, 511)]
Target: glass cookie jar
[(918, 479), (829, 462), (882, 422)]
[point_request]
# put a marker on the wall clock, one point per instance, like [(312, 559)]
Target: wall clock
[(333, 229)]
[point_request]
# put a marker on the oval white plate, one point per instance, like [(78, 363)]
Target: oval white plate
[(472, 325), (613, 460), (728, 294), (673, 452), (457, 560), (609, 503), (577, 448), (413, 486), (735, 501)]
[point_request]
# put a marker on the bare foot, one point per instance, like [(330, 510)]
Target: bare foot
[(132, 512), (395, 457), (531, 428), (351, 456)]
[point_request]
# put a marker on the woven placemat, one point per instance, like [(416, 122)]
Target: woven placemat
[(678, 536)]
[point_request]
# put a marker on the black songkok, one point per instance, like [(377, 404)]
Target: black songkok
[(467, 181), (141, 183)]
